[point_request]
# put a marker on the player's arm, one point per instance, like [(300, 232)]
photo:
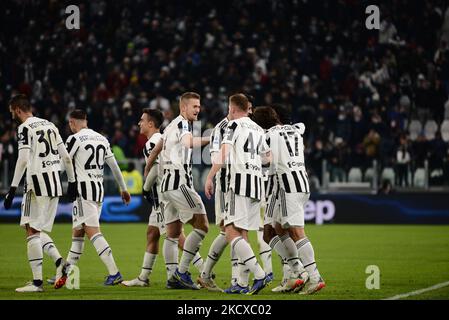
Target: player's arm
[(67, 161), (113, 165), (189, 141), (265, 151), (216, 166), (229, 138), (150, 179), (186, 136), (21, 163), (153, 156)]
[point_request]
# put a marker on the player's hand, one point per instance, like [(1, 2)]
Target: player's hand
[(9, 197), (148, 195), (72, 191), (126, 197), (209, 188)]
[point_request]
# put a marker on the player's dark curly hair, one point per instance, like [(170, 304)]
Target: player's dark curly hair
[(283, 112), (266, 117)]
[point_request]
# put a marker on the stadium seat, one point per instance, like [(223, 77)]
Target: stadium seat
[(388, 174), (414, 129), (355, 175), (369, 174), (430, 128), (419, 178), (445, 130)]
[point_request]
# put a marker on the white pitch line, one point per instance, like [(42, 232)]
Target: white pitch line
[(414, 293)]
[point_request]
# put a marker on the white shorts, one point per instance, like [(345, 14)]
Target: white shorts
[(291, 209), (181, 204), (243, 212), (219, 205), (86, 212), (38, 212), (156, 218), (272, 207)]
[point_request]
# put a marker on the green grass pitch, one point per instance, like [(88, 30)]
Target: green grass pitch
[(409, 258)]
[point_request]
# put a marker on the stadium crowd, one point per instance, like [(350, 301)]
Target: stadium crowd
[(356, 90)]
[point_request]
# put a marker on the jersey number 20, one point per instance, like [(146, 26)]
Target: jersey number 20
[(99, 158)]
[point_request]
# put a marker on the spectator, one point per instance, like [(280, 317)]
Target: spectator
[(371, 143), (402, 163)]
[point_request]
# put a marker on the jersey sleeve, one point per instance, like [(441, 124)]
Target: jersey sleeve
[(231, 133), (149, 146), (215, 141), (24, 137), (301, 127), (184, 128), (266, 143), (264, 146), (72, 145), (109, 153), (58, 136)]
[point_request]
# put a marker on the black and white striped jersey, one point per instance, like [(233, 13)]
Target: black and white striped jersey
[(215, 143), (244, 162), (176, 159), (287, 146), (89, 150), (44, 164), (149, 146)]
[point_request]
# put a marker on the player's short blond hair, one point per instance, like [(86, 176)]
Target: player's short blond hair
[(240, 101), (189, 95)]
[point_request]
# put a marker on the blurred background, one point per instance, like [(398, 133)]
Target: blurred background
[(375, 102)]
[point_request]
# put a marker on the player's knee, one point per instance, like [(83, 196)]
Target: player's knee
[(267, 236), (153, 234), (297, 234), (204, 227)]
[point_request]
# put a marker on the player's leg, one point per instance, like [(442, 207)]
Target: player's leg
[(77, 246), (50, 249), (295, 203), (149, 258), (173, 230), (104, 251), (171, 252), (32, 220), (197, 260), (277, 246), (191, 210), (307, 256), (265, 253), (75, 252), (89, 216), (49, 205), (193, 241), (215, 251), (218, 245), (35, 258)]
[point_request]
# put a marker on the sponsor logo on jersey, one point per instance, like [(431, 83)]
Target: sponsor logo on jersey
[(49, 163), (292, 164), (95, 176), (250, 166)]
